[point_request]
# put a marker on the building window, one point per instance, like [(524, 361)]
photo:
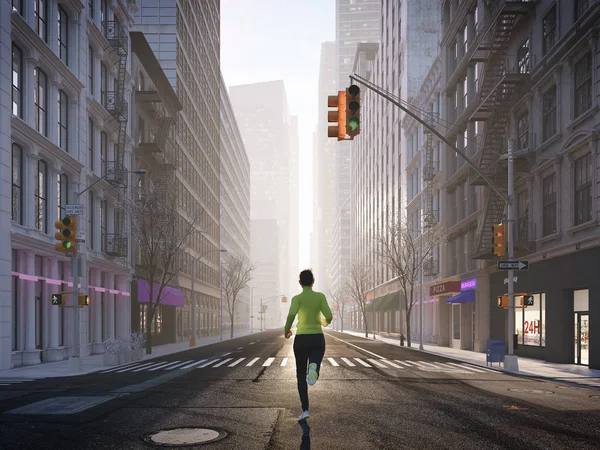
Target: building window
[(91, 144), (581, 6), (523, 216), (523, 57), (141, 130), (91, 219), (63, 35), (17, 184), (523, 131), (583, 189), (583, 84), (103, 152), (41, 197), (549, 119), (103, 82), (530, 322), (103, 222), (63, 121), (40, 97), (91, 6), (62, 194), (40, 14), (17, 5), (17, 81), (103, 11), (549, 204), (549, 30), (91, 70)]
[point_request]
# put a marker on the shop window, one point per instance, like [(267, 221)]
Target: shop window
[(530, 322)]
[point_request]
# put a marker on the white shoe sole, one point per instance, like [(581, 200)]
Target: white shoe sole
[(312, 376)]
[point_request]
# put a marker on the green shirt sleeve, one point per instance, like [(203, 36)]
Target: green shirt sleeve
[(292, 314), (326, 310)]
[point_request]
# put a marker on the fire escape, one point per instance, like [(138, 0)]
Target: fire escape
[(502, 80), (430, 215), (115, 244)]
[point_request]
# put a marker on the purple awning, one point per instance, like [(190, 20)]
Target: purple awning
[(169, 295)]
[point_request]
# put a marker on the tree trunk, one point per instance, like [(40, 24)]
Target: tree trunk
[(408, 340), (342, 323), (231, 317), (149, 317), (366, 324)]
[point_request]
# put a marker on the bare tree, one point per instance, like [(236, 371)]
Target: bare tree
[(358, 284), (340, 299), (235, 276), (162, 233), (399, 247)]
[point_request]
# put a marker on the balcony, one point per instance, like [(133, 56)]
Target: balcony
[(431, 267), (115, 105), (116, 36), (115, 173), (431, 218), (114, 245)]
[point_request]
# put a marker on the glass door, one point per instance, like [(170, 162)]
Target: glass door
[(582, 339), (456, 325)]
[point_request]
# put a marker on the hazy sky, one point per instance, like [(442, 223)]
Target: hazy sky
[(264, 40)]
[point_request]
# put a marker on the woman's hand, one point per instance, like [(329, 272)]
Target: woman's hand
[(288, 335), (324, 322)]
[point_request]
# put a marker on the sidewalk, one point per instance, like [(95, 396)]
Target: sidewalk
[(94, 363), (527, 366)]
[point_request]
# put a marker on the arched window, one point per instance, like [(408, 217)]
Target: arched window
[(62, 194), (40, 14), (17, 184), (41, 197), (40, 100), (17, 81), (63, 35), (63, 121)]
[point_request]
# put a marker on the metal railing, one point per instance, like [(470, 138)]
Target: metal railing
[(115, 104)]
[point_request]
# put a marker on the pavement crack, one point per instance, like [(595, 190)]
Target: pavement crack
[(257, 378)]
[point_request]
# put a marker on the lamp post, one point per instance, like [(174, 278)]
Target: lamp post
[(251, 309), (194, 261)]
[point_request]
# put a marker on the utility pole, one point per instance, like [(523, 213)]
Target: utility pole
[(75, 360), (221, 295), (251, 309), (421, 313), (511, 362), (261, 314)]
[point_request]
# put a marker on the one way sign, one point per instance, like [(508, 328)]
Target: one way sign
[(513, 265)]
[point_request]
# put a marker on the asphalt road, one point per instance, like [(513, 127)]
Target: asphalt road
[(370, 395)]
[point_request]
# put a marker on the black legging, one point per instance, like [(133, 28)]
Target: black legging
[(308, 348)]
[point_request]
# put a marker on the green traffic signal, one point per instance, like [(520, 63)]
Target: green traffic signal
[(67, 244), (353, 123)]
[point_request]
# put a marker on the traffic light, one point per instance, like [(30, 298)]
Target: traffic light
[(57, 299), (527, 300), (353, 111), (499, 240), (338, 116), (83, 299), (67, 234), (283, 299), (521, 301)]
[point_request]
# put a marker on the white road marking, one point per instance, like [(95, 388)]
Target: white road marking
[(251, 343), (284, 362), (268, 362), (139, 368), (333, 362), (392, 364), (193, 364), (207, 364), (403, 363), (252, 362), (347, 361), (466, 366), (377, 363), (237, 362), (170, 363), (179, 364), (114, 369), (239, 348), (414, 364), (222, 362), (226, 354), (362, 362), (355, 346)]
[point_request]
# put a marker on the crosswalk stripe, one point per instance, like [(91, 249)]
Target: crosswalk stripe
[(268, 362), (226, 354), (237, 362), (114, 369), (193, 364), (377, 363), (403, 363), (162, 366), (362, 362), (137, 366), (225, 361), (252, 362), (445, 366), (180, 364), (284, 362), (347, 361), (207, 364), (392, 364), (333, 362), (414, 364), (466, 367), (144, 367)]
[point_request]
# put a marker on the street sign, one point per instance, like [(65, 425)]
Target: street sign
[(80, 237), (56, 299), (74, 210), (513, 265)]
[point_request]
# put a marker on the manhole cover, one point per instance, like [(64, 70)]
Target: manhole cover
[(180, 437), (532, 391)]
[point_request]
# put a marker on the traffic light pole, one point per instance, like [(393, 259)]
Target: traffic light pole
[(510, 361), (75, 360)]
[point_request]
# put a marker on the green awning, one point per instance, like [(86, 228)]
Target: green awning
[(375, 304), (392, 302)]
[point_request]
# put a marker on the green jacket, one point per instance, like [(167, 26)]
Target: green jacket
[(308, 305)]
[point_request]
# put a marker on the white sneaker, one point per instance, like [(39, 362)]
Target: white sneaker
[(303, 416), (312, 376)]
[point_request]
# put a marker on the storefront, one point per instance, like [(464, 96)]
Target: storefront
[(557, 327), (462, 314)]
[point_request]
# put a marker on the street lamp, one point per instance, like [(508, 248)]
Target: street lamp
[(194, 261), (103, 177)]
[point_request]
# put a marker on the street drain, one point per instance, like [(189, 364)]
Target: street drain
[(181, 437), (532, 391)]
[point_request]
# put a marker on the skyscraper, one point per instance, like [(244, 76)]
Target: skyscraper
[(270, 136), (184, 35)]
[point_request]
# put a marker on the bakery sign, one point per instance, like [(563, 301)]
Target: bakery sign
[(444, 288)]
